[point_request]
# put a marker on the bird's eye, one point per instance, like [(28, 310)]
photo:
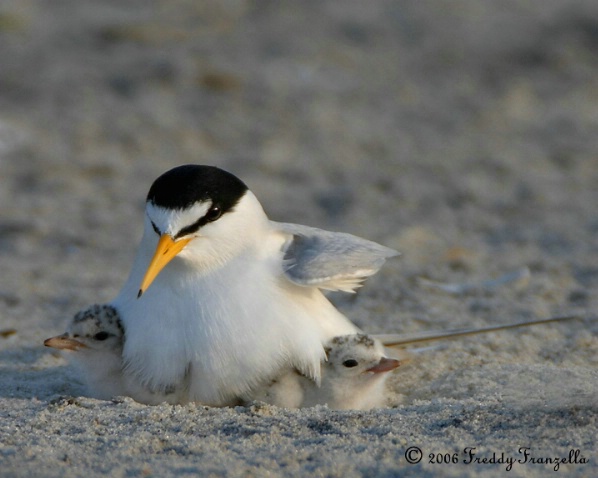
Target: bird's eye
[(213, 213), (155, 228), (350, 363), (101, 336)]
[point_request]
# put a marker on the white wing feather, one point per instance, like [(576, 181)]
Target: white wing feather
[(330, 260)]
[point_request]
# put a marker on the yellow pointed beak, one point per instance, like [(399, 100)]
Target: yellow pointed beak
[(64, 342), (165, 251)]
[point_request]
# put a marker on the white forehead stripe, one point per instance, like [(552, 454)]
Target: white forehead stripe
[(171, 221)]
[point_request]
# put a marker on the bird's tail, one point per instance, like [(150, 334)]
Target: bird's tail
[(402, 340)]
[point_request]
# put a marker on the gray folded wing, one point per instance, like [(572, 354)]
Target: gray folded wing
[(330, 260)]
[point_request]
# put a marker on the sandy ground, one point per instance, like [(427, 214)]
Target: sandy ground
[(462, 133)]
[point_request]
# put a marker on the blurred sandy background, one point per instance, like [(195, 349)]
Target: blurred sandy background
[(462, 133)]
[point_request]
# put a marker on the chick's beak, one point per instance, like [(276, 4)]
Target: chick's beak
[(64, 342), (165, 251), (385, 365)]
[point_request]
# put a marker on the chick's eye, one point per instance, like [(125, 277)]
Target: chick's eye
[(213, 213), (350, 363), (155, 228), (101, 336)]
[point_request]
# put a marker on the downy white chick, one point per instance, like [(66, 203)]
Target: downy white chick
[(94, 342), (353, 377)]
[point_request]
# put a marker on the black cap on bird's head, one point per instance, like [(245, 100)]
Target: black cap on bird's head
[(185, 185), (179, 189)]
